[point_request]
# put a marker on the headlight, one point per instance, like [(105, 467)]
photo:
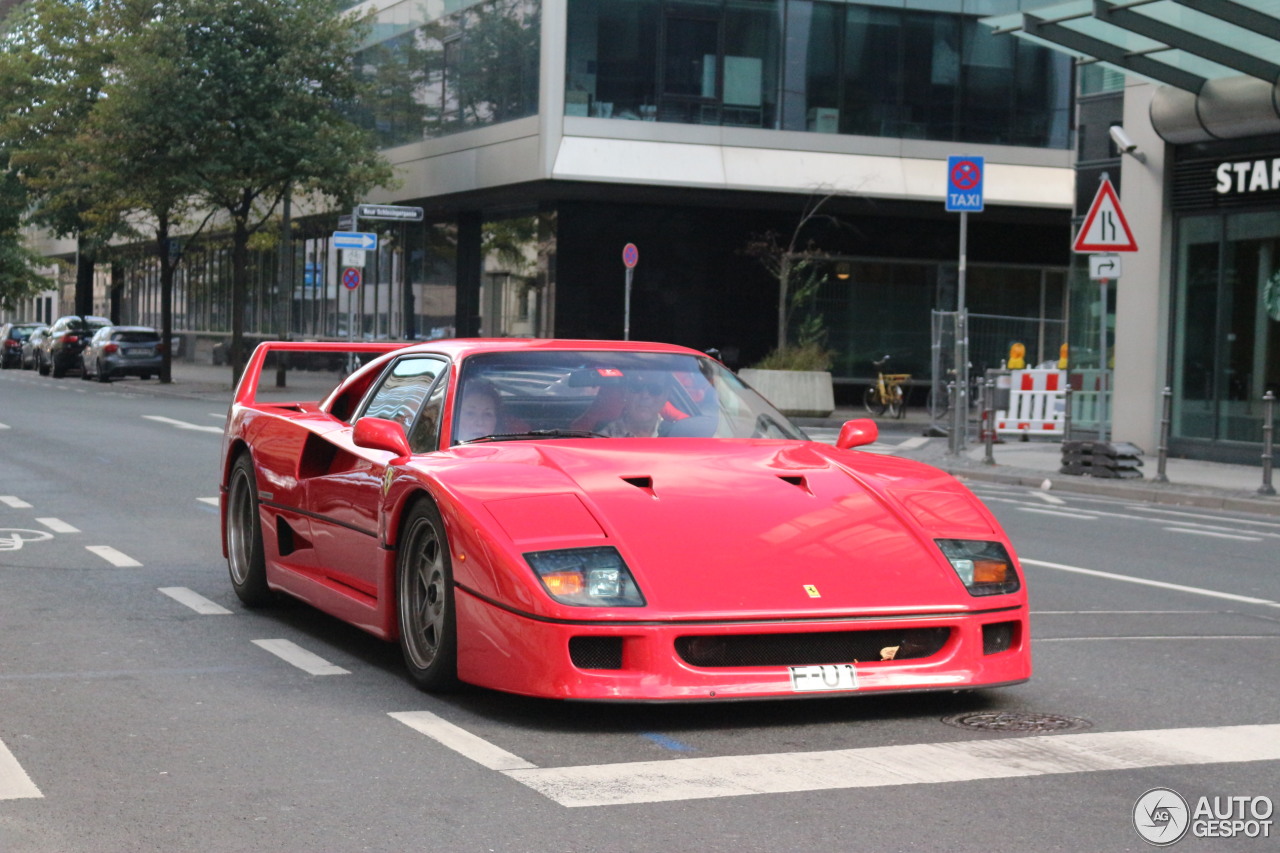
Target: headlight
[(985, 568), (586, 577)]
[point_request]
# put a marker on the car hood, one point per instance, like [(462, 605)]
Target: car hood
[(717, 527)]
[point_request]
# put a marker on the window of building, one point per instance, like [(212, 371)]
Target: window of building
[(816, 66)]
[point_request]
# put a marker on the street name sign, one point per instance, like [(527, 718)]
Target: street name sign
[(965, 178), (354, 240), (395, 212), (1105, 229)]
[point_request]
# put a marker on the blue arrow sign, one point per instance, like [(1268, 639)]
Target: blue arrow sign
[(354, 240)]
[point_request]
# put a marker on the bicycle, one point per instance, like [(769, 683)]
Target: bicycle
[(941, 395), (889, 393)]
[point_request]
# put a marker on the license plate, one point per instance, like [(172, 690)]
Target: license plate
[(809, 679), (135, 353)]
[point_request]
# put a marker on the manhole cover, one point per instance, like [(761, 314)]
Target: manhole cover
[(1003, 721)]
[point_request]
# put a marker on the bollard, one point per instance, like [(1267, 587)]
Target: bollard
[(1268, 426), (989, 435), (953, 437), (1066, 411), (1163, 451)]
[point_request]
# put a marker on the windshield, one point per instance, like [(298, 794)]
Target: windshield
[(603, 394)]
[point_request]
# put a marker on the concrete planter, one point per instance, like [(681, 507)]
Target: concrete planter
[(799, 393)]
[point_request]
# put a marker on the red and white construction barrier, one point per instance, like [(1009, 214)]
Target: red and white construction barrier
[(1036, 403)]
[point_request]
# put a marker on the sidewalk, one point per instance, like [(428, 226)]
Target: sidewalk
[(1034, 463)]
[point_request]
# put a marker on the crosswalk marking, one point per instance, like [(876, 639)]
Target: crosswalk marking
[(194, 600), (112, 556), (57, 525), (461, 741), (14, 502), (301, 658), (872, 767), (15, 784)]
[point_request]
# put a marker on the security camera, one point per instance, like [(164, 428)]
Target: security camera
[(1125, 144)]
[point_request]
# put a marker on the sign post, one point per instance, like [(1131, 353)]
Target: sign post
[(630, 257), (1105, 230), (965, 181)]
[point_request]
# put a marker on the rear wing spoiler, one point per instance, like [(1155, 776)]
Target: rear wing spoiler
[(247, 389)]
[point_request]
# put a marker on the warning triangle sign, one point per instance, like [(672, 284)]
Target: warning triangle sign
[(1105, 229)]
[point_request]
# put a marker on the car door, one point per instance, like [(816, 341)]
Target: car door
[(343, 486)]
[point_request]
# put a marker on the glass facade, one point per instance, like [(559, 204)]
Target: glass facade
[(1227, 332), (437, 69), (824, 67)]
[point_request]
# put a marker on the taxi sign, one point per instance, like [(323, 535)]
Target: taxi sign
[(965, 177)]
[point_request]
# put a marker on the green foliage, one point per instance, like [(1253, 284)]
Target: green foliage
[(810, 356)]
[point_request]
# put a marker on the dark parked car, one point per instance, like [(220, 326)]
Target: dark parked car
[(60, 350), (12, 336), (122, 351), (31, 348)]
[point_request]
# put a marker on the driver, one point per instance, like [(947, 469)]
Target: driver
[(641, 414), (478, 411)]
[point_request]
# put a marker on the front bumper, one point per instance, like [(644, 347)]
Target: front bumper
[(515, 653)]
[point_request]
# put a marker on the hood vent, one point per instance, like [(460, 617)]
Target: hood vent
[(796, 481), (643, 483)]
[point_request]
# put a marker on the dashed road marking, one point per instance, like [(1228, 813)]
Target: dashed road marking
[(14, 502), (301, 658), (15, 784), (57, 525), (183, 424), (194, 600), (112, 556), (210, 501), (1079, 516)]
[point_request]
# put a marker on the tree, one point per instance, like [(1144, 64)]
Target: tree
[(18, 276), (252, 94), (52, 71)]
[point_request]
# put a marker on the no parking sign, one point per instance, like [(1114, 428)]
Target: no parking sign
[(965, 175)]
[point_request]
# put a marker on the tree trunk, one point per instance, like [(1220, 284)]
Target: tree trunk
[(168, 264), (84, 277)]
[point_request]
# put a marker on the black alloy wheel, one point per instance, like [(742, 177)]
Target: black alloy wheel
[(245, 559), (425, 600)]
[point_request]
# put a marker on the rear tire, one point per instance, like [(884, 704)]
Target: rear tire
[(102, 374), (245, 559), (425, 600)]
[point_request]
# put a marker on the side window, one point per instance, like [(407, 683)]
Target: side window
[(425, 435), (403, 389)]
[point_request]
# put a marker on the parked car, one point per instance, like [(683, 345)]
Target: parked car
[(612, 520), (61, 348), (122, 351), (31, 348), (12, 336)]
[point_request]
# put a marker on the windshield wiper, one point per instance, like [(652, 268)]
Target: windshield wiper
[(536, 433)]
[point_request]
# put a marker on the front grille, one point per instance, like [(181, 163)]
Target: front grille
[(810, 648), (596, 652)]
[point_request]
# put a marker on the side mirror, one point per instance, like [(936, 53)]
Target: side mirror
[(381, 434), (857, 432)]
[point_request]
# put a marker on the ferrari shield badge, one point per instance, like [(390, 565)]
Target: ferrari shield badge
[(812, 591)]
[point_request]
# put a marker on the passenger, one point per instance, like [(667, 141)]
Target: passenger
[(641, 414), (479, 411)]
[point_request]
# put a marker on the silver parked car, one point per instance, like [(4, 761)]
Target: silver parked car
[(122, 351)]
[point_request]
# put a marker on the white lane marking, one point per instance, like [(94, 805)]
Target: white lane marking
[(183, 424), (15, 784), (1128, 612), (194, 600), (210, 501), (913, 764), (4, 426), (1164, 637), (913, 443), (1047, 498), (112, 556), (1176, 587), (300, 657), (57, 525), (1080, 516), (14, 502), (1214, 534), (1201, 515), (461, 741)]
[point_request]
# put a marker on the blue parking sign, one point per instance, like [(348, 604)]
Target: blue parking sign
[(964, 183)]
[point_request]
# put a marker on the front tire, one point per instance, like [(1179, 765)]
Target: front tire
[(245, 559), (425, 600), (871, 399)]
